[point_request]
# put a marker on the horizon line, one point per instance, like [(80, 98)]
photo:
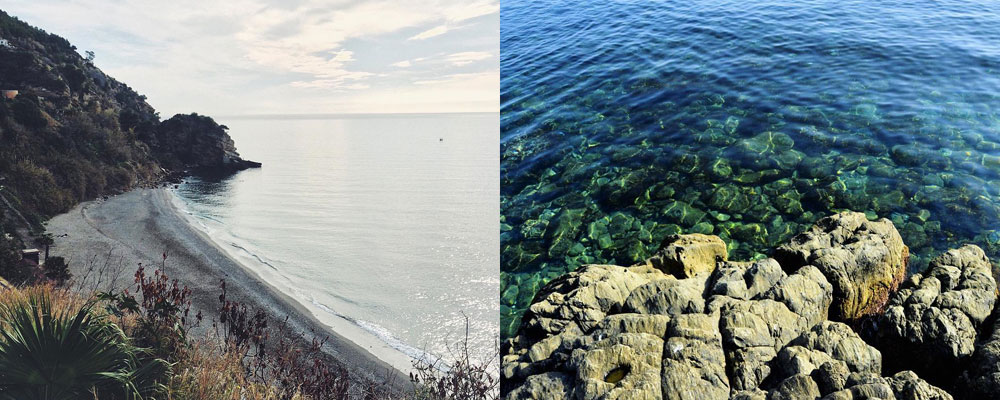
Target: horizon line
[(349, 115)]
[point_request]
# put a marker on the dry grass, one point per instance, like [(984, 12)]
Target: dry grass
[(206, 370), (204, 373), (63, 300)]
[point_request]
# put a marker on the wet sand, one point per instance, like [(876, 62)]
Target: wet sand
[(105, 240)]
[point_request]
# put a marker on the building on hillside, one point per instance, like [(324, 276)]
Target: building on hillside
[(6, 43), (8, 94), (32, 255)]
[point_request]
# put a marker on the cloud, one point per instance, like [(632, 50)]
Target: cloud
[(467, 57), (465, 11), (435, 31), (279, 56), (479, 91)]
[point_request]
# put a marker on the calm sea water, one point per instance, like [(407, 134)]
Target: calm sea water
[(385, 227), (625, 121)]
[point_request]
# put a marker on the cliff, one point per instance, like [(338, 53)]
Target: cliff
[(195, 143), (830, 316), (72, 133)]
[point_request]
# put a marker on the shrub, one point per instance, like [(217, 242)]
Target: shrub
[(10, 260), (206, 374), (28, 113), (464, 378), (161, 312), (292, 370), (63, 351), (56, 270)]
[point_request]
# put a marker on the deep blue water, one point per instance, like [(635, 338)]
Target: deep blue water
[(625, 121)]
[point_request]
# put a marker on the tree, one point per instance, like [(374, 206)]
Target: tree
[(90, 57), (45, 240), (10, 260), (56, 270)]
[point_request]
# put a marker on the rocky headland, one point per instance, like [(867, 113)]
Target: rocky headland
[(70, 133), (831, 315), (192, 143)]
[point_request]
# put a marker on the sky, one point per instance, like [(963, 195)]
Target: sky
[(252, 57)]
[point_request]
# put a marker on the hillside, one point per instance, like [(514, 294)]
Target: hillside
[(73, 133)]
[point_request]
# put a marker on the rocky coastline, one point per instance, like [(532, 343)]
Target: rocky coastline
[(192, 144), (830, 315)]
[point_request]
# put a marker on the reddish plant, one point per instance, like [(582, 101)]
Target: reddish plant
[(162, 311), (293, 368)]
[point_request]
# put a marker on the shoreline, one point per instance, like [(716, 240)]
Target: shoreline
[(342, 324), (104, 241)]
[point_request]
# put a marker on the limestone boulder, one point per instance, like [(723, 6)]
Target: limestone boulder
[(694, 363), (563, 313), (549, 385), (618, 324), (806, 293), (625, 366), (685, 256), (863, 260), (906, 385), (829, 351), (981, 379), (668, 296), (752, 334), (931, 323), (745, 280), (798, 387)]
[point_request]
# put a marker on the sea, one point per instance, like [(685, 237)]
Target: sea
[(623, 122), (383, 226)]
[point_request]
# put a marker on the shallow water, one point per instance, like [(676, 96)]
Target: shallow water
[(623, 122), (385, 226)]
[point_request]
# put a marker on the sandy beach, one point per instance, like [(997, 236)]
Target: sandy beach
[(105, 240)]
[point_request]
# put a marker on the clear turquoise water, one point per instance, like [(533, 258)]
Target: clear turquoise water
[(625, 121), (384, 227)]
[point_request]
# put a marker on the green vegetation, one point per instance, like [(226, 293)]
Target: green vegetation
[(74, 134), (49, 352), (135, 344), (62, 139)]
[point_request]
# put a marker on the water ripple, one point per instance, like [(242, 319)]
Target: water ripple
[(625, 121)]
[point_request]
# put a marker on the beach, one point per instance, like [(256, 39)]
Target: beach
[(105, 240)]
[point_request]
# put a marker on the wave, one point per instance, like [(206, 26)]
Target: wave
[(381, 333)]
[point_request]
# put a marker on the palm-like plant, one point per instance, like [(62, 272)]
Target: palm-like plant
[(67, 354)]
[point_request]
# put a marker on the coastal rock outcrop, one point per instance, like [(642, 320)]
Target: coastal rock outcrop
[(701, 327), (694, 359), (566, 309), (982, 378), (864, 260), (931, 323), (685, 256), (195, 143)]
